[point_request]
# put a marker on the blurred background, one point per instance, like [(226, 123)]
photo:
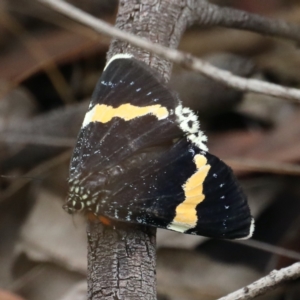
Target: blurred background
[(49, 66)]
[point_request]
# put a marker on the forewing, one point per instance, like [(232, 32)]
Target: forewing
[(130, 110)]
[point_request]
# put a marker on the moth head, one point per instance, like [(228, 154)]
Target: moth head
[(82, 199), (78, 198), (74, 204)]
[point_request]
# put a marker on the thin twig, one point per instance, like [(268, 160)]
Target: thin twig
[(269, 248), (183, 59), (256, 165), (265, 284), (209, 14), (25, 279), (31, 139), (35, 172)]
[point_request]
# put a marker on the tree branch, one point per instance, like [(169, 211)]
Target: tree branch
[(256, 165), (265, 284), (122, 259), (212, 15), (121, 262), (183, 59), (280, 251)]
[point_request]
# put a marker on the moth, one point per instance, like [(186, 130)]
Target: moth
[(141, 158)]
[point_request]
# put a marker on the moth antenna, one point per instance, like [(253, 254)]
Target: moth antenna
[(20, 176)]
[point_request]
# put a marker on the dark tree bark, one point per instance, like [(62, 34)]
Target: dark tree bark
[(159, 21), (121, 260)]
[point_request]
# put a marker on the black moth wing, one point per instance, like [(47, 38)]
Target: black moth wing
[(224, 213), (101, 145), (153, 193), (126, 166)]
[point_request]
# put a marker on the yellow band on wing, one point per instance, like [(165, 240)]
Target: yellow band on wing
[(186, 214), (104, 113)]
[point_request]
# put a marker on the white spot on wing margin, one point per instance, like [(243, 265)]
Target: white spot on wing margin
[(178, 227), (118, 56), (251, 230), (88, 117), (185, 116)]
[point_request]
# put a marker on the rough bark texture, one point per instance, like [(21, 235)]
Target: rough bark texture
[(121, 260), (160, 21)]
